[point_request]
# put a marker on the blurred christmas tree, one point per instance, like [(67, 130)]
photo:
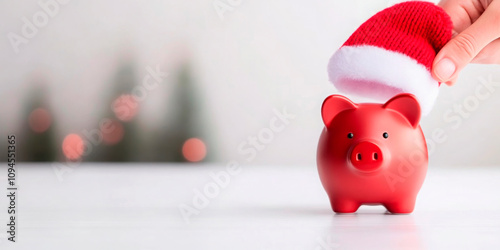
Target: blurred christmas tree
[(182, 139), (37, 139), (119, 136)]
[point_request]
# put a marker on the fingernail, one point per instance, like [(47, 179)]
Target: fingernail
[(445, 69)]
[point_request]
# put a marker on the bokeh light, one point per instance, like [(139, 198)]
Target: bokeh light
[(39, 120), (125, 107), (194, 150), (73, 146), (114, 134)]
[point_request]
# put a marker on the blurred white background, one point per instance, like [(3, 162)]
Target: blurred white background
[(255, 57)]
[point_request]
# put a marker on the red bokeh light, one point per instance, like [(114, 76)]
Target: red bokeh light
[(115, 133), (125, 107), (39, 120), (73, 146), (194, 150)]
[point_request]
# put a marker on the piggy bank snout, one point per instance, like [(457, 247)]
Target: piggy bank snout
[(366, 156)]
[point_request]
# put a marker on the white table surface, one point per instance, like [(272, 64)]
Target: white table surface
[(135, 206)]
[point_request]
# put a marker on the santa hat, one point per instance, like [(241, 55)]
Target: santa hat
[(392, 53)]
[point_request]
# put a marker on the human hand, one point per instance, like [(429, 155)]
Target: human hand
[(476, 32)]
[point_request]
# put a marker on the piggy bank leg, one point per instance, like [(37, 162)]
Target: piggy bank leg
[(340, 205), (401, 207)]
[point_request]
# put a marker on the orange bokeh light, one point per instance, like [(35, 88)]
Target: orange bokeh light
[(125, 107), (39, 120), (115, 134), (194, 150), (73, 146)]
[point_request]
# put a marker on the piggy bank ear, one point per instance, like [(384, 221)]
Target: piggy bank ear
[(407, 105), (333, 105)]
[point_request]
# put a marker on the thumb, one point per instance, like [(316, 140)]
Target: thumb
[(460, 50)]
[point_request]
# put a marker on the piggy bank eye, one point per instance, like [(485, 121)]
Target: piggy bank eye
[(350, 135), (385, 135)]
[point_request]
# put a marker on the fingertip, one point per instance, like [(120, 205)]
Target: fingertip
[(444, 69), (451, 82)]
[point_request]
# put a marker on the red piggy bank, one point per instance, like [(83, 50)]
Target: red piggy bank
[(372, 154)]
